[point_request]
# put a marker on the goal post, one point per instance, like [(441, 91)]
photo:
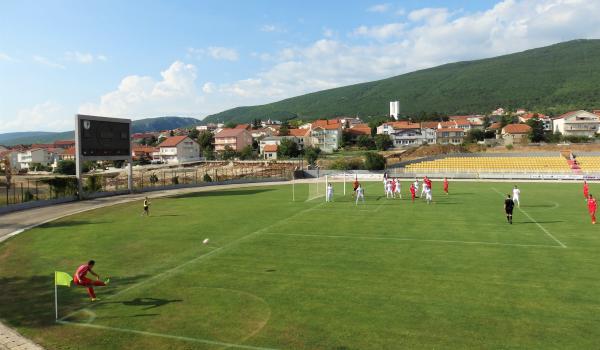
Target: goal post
[(316, 188)]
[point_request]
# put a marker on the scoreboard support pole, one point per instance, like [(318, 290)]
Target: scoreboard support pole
[(130, 175), (78, 160)]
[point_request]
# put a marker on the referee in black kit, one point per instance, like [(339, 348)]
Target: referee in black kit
[(508, 208)]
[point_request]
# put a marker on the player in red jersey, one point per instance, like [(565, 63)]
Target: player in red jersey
[(413, 191), (355, 186), (446, 185), (80, 279), (586, 190), (592, 206)]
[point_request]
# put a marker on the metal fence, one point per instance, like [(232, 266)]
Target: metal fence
[(23, 190)]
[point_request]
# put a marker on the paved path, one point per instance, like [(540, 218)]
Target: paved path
[(14, 223)]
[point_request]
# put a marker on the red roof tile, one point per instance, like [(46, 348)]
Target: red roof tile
[(243, 126), (299, 132), (404, 125), (172, 141), (516, 129), (270, 148), (495, 126), (230, 133)]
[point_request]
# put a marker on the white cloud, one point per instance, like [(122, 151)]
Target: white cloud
[(381, 32), (223, 53), (138, 96), (83, 57), (429, 15), (46, 116), (6, 57), (328, 32), (271, 28), (48, 63), (208, 87), (215, 52), (379, 8)]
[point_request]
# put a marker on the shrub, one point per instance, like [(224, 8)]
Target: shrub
[(207, 178), (374, 161), (175, 180), (93, 183)]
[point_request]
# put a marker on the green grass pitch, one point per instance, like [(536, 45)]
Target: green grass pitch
[(277, 274)]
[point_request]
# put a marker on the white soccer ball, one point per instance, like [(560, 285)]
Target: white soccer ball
[(205, 241)]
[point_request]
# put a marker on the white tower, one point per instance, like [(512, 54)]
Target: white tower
[(395, 109)]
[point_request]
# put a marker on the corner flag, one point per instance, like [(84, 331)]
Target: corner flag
[(60, 279)]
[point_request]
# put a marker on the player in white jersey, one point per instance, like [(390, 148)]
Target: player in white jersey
[(329, 195), (385, 183), (516, 196), (360, 194), (388, 190), (416, 184), (423, 189), (398, 188), (428, 195)]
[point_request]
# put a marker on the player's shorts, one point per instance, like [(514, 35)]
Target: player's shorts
[(146, 208), (509, 211)]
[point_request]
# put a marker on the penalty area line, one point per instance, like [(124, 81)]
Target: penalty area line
[(380, 238), (562, 245), (168, 336)]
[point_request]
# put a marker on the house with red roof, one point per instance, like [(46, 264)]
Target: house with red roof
[(178, 150), (405, 133), (270, 152), (64, 144), (577, 123), (515, 133), (326, 134), (237, 139)]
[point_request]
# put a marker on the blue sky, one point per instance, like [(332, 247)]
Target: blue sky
[(140, 59)]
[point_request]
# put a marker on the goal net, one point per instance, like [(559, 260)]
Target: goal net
[(317, 188)]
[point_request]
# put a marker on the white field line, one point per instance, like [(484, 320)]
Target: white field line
[(414, 240), (537, 223), (168, 336), (201, 257)]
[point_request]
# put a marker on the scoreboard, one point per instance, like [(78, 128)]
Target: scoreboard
[(100, 138)]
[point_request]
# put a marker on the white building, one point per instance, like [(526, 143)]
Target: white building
[(178, 150), (36, 155), (404, 133), (394, 109), (577, 123)]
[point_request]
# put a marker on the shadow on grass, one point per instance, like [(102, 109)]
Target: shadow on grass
[(539, 206), (70, 223), (224, 193), (150, 303), (29, 301)]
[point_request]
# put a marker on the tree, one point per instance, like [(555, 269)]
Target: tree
[(229, 153), (365, 142), (193, 134), (311, 154), (209, 154), (374, 161), (383, 142), (7, 171), (288, 148), (475, 135), (537, 130), (171, 133), (65, 167), (284, 130), (206, 139), (247, 153), (256, 124), (230, 125)]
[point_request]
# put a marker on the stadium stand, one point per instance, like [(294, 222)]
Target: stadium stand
[(518, 164)]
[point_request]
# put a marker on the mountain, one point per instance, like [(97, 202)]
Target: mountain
[(141, 125), (550, 79)]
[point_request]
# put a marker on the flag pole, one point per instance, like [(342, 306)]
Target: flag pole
[(55, 298)]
